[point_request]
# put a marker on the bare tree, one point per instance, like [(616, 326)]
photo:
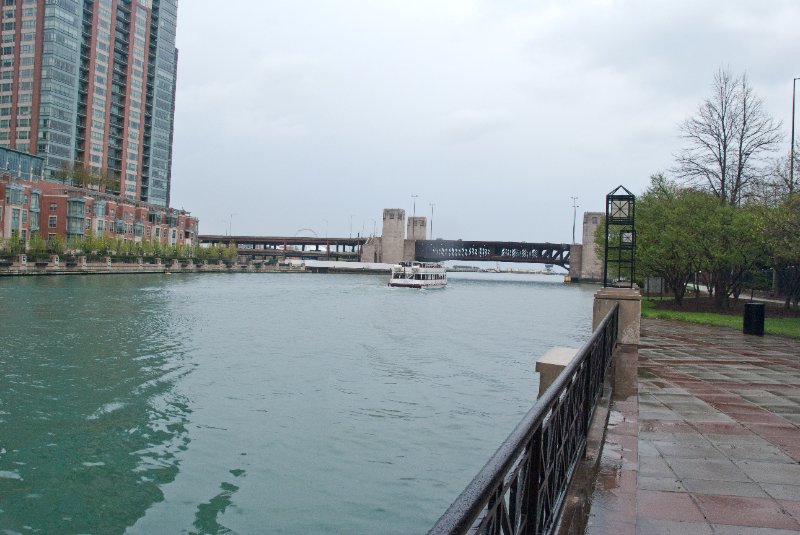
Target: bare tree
[(728, 141)]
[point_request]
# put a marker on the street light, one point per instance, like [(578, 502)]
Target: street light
[(574, 215), (791, 158), (351, 225), (230, 228), (414, 214)]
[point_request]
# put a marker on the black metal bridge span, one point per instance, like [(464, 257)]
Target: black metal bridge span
[(493, 251)]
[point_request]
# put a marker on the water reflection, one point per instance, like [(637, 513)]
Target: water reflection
[(91, 426)]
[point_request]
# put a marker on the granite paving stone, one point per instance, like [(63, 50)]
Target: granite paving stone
[(766, 472), (716, 470), (724, 488), (745, 511), (675, 506), (717, 445), (782, 492), (651, 526)]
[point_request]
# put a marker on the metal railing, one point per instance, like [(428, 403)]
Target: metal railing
[(521, 489)]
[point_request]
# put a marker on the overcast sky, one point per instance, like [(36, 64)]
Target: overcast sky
[(290, 113)]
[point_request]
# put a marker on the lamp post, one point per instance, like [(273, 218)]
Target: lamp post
[(574, 215), (432, 205), (351, 225), (230, 227), (414, 214), (791, 158)]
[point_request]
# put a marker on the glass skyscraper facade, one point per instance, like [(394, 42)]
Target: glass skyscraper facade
[(90, 84)]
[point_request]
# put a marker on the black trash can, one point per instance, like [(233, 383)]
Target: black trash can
[(754, 319)]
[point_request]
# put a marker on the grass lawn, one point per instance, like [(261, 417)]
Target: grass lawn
[(781, 326)]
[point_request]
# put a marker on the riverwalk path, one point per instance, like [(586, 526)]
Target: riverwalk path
[(703, 436)]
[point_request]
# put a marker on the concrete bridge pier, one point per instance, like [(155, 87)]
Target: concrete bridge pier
[(396, 242)]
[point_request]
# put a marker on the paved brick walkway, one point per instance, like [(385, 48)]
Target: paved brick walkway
[(708, 441)]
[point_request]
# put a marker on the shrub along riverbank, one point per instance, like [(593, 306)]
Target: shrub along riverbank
[(97, 247), (777, 319)]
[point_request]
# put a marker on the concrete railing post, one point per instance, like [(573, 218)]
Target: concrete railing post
[(552, 364), (630, 312)]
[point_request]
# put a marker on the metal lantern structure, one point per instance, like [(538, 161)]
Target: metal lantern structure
[(619, 268)]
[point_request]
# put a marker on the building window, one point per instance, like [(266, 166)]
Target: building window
[(51, 221), (53, 207)]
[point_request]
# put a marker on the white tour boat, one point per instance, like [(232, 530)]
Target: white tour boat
[(419, 275)]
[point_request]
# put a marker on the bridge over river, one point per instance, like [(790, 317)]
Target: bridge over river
[(313, 248), (405, 239)]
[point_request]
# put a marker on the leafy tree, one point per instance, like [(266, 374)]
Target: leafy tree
[(107, 246), (15, 245), (147, 248), (670, 227), (230, 253), (37, 245), (95, 244), (732, 246), (780, 230), (55, 244), (728, 140)]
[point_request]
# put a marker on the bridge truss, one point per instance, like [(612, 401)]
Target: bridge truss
[(491, 251)]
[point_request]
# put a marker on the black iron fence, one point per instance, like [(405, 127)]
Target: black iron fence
[(521, 489)]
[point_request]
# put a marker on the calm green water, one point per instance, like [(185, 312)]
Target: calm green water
[(262, 403)]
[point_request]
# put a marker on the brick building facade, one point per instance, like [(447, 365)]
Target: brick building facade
[(50, 208)]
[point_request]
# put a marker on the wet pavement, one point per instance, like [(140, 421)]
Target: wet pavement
[(705, 436)]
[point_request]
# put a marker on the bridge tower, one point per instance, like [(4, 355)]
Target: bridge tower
[(392, 236), (417, 228), (585, 265)]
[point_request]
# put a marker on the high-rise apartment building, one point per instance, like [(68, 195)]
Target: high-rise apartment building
[(90, 84)]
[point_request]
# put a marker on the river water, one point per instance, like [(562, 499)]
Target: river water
[(262, 403)]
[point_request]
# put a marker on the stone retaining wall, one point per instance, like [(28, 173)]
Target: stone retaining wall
[(55, 265)]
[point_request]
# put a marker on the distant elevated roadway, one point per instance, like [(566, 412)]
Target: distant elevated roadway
[(305, 247)]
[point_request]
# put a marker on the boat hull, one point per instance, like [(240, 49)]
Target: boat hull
[(417, 284)]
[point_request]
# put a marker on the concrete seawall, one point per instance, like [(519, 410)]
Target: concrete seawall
[(80, 266)]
